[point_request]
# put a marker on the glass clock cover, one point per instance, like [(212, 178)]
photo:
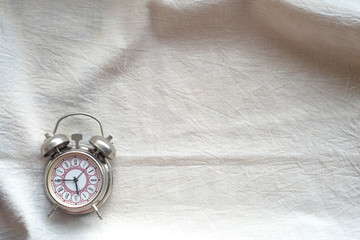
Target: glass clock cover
[(74, 180)]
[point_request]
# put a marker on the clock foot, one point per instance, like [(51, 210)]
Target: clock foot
[(52, 210), (97, 211)]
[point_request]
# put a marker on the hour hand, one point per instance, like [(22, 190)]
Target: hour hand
[(77, 188)]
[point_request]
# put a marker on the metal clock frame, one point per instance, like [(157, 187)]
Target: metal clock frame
[(102, 151)]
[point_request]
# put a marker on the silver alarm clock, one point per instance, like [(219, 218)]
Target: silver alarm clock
[(78, 178)]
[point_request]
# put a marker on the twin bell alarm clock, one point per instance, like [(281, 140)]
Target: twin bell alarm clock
[(78, 177)]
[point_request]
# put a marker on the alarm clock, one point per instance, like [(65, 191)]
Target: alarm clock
[(78, 177)]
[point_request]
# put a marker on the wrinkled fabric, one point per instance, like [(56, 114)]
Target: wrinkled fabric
[(232, 119)]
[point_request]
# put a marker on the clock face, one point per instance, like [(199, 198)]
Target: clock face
[(74, 180)]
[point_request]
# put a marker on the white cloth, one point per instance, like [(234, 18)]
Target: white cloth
[(231, 119)]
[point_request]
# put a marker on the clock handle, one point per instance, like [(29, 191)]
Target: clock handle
[(83, 114)]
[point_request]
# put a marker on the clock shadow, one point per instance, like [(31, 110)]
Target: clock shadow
[(71, 222)]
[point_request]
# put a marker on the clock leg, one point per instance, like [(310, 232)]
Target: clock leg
[(53, 210), (97, 211)]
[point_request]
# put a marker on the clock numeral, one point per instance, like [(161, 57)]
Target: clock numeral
[(76, 198), (84, 195), (91, 188), (57, 180), (67, 195), (75, 162), (66, 164), (93, 179), (60, 171), (84, 164), (60, 189), (91, 171)]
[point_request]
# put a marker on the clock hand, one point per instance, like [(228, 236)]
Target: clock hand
[(77, 189), (81, 174), (66, 180)]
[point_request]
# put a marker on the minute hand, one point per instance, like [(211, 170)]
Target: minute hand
[(81, 174)]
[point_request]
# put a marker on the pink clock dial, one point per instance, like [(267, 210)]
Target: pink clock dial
[(75, 180)]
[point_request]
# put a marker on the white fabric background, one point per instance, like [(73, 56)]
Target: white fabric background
[(232, 119)]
